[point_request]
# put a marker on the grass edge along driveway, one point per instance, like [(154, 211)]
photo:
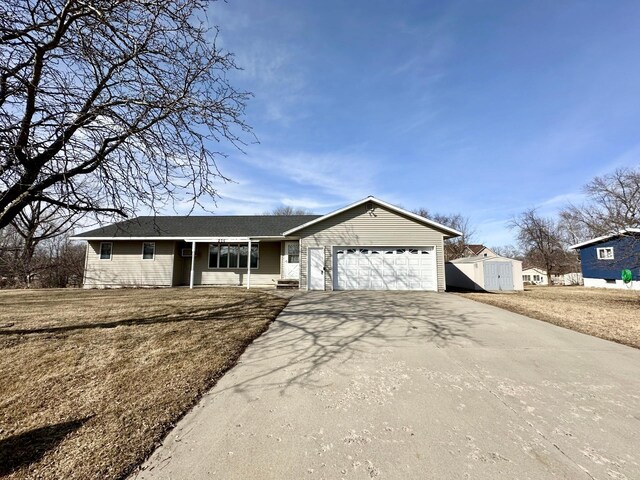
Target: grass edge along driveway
[(92, 380), (611, 314)]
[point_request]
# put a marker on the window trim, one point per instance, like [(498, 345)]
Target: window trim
[(289, 256), (604, 249), (153, 256), (110, 251), (255, 245)]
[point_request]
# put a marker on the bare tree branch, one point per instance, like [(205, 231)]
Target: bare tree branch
[(110, 105)]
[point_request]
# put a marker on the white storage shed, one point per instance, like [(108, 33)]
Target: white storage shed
[(484, 273)]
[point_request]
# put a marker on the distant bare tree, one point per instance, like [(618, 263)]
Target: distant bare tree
[(453, 247), (65, 260), (509, 251), (288, 210), (613, 204), (541, 239), (35, 226), (107, 105)]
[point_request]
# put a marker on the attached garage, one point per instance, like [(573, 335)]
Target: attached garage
[(372, 245), (385, 268), (484, 273)]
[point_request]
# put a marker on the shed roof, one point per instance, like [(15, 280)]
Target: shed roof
[(476, 259), (200, 226)]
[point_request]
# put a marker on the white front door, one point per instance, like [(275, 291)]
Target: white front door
[(316, 269), (291, 264)]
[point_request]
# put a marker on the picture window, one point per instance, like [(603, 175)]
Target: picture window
[(228, 256)]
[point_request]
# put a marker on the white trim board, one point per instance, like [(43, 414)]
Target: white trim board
[(605, 237)]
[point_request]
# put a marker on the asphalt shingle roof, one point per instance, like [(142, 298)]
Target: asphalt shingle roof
[(202, 226)]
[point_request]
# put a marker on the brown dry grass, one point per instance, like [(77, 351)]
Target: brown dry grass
[(92, 380), (609, 314)]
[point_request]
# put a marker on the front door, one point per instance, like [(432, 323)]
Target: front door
[(291, 264), (316, 269)]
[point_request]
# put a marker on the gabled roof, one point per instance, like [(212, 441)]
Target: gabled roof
[(477, 258), (449, 232), (176, 227), (605, 237), (541, 271), (476, 248)]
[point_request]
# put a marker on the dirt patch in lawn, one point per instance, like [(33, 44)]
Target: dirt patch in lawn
[(609, 314), (92, 380)]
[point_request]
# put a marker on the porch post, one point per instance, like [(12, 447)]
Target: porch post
[(249, 265), (193, 261)]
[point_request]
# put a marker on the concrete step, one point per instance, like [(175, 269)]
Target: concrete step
[(287, 284)]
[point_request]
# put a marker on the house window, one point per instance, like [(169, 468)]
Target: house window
[(605, 253), (148, 250), (293, 252), (537, 278), (526, 278), (106, 249), (223, 255)]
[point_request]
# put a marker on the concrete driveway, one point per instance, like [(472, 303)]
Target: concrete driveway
[(413, 385)]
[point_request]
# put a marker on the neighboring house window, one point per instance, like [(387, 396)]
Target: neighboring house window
[(223, 255), (293, 252), (106, 249), (537, 278), (605, 253), (148, 250), (526, 278)]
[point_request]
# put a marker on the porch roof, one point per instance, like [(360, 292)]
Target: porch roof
[(197, 227)]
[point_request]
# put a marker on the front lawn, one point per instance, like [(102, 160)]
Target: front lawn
[(92, 380), (605, 313)]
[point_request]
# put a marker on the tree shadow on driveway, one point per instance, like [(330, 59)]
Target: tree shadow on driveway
[(320, 330)]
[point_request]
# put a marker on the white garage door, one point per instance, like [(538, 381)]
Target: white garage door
[(385, 268)]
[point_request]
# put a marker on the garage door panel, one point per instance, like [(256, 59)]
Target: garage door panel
[(385, 268)]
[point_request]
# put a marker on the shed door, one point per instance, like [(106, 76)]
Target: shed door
[(498, 276), (385, 268)]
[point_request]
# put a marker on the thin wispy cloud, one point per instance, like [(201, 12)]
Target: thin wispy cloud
[(480, 108)]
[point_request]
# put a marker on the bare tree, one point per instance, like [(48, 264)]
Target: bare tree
[(453, 247), (613, 204), (288, 210), (39, 222), (509, 251), (111, 104), (542, 241)]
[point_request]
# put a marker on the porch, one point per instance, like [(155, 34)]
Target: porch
[(243, 262)]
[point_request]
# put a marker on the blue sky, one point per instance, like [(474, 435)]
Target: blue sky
[(479, 107)]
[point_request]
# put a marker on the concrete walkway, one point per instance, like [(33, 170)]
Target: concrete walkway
[(413, 385)]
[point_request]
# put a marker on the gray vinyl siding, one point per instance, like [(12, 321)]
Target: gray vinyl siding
[(359, 227), (126, 267), (176, 274), (267, 273)]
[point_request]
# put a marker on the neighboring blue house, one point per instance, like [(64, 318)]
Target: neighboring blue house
[(604, 258)]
